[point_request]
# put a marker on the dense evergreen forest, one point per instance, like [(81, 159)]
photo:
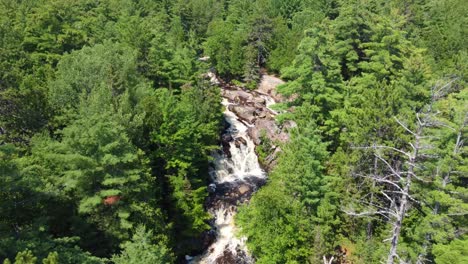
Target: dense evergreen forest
[(108, 122)]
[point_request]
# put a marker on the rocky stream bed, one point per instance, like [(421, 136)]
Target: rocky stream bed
[(236, 172)]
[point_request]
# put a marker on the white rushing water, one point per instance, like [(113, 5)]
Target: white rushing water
[(242, 165), (244, 161)]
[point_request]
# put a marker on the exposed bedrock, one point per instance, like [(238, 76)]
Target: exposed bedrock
[(252, 108)]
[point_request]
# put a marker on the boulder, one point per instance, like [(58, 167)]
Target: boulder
[(244, 95), (261, 113), (268, 86), (226, 258), (259, 100), (245, 113), (237, 96), (212, 188), (244, 188), (240, 140), (254, 104), (230, 95), (225, 140), (267, 125)]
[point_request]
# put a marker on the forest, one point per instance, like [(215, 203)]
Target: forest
[(108, 123)]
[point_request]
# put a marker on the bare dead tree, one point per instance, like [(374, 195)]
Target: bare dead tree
[(398, 177), (328, 261), (405, 177), (398, 181)]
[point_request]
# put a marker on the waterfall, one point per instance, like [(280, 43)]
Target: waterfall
[(234, 177)]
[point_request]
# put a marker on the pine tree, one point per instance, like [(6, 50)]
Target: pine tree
[(142, 250), (291, 214), (25, 257), (96, 164), (52, 258)]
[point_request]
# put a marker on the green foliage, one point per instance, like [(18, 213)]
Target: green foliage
[(258, 34), (23, 110), (354, 73), (76, 77), (141, 250), (455, 252), (443, 35), (105, 125), (445, 194), (93, 165), (25, 257), (279, 221), (184, 129), (106, 72), (276, 226), (52, 258), (264, 148), (223, 46)]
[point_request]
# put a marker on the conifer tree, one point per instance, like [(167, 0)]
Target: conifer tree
[(142, 250), (96, 164)]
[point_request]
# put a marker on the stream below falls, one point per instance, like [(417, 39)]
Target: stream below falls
[(236, 175)]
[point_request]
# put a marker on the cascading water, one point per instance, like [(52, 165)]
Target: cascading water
[(243, 161), (236, 174)]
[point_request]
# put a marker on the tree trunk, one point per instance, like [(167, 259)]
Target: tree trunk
[(404, 198), (369, 224)]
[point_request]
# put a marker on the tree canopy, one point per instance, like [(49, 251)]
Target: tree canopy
[(108, 123)]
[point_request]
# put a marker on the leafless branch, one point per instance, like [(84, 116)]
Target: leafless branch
[(405, 127)]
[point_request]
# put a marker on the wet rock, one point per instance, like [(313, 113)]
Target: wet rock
[(244, 189), (227, 138), (240, 141), (243, 258), (256, 181), (212, 188), (208, 238), (226, 258), (227, 150), (237, 257), (229, 194), (226, 125), (225, 143)]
